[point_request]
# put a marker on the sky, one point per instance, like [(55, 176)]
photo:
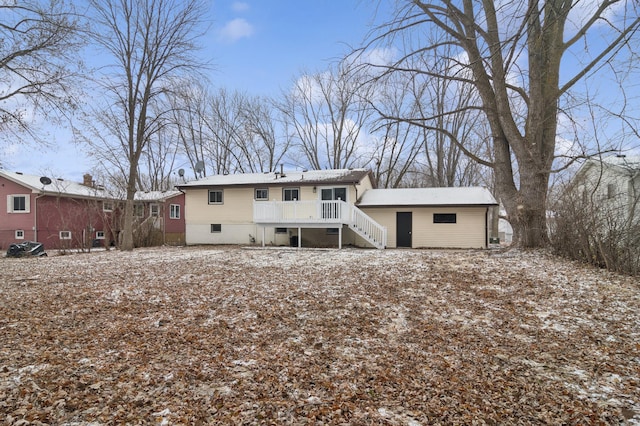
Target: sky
[(255, 46)]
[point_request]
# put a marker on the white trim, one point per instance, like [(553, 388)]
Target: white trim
[(65, 237), (173, 209), (221, 191), (27, 203), (98, 236), (19, 235)]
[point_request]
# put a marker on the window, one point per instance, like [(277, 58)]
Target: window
[(291, 194), (444, 218), (611, 190), (138, 210), (19, 234), (215, 196), (262, 194), (328, 194), (155, 210), (281, 230), (174, 211), (216, 227), (65, 235), (99, 235), (18, 203), (107, 206)]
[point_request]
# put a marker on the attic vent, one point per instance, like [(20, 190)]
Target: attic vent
[(18, 173)]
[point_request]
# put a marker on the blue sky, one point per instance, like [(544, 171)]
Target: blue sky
[(260, 46), (254, 46)]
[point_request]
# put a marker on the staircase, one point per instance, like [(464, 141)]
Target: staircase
[(363, 225)]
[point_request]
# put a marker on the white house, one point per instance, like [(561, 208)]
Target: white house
[(612, 185)]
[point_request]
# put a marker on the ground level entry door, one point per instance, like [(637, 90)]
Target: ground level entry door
[(403, 229)]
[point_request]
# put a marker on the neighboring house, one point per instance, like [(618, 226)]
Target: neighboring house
[(432, 217), (159, 218), (58, 213), (331, 208), (612, 186)]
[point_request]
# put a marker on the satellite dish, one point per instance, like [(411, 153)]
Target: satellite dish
[(45, 180), (181, 172), (200, 166)]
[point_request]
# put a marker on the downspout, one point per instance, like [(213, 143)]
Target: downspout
[(184, 214), (35, 216)]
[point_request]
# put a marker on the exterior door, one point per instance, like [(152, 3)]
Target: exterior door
[(404, 222)]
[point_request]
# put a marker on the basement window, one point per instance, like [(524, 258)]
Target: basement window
[(216, 227), (445, 218), (281, 230), (65, 235), (19, 234)]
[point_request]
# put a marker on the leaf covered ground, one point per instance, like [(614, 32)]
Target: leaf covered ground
[(227, 335)]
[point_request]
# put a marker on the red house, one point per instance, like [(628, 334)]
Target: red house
[(60, 214), (159, 218), (63, 214)]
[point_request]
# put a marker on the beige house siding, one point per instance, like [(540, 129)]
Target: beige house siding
[(235, 215), (469, 231)]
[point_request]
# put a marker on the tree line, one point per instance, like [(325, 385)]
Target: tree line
[(469, 93)]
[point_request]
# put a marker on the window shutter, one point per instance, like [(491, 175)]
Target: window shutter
[(27, 203), (9, 203)]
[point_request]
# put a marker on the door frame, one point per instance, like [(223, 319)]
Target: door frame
[(404, 223)]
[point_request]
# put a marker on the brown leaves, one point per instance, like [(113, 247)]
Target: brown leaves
[(238, 336)]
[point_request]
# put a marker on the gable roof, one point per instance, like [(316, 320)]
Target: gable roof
[(459, 196), (622, 165), (57, 187), (310, 177)]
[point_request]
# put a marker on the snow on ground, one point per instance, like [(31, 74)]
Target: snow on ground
[(228, 335)]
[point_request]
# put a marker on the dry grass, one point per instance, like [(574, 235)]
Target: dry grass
[(237, 336)]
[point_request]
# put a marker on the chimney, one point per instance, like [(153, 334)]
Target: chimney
[(87, 180)]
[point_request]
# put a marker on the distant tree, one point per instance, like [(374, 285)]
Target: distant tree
[(150, 42), (520, 57), (38, 41), (327, 112)]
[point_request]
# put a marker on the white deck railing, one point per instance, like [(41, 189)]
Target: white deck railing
[(320, 212), (300, 212), (368, 228)]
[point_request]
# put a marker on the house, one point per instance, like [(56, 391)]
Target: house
[(158, 218), (611, 186), (275, 208), (63, 214), (331, 208), (56, 212)]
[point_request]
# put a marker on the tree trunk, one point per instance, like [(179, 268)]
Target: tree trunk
[(127, 237)]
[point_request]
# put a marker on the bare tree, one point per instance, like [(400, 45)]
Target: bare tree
[(38, 41), (189, 116), (399, 143), (328, 112), (513, 54), (150, 41), (264, 145)]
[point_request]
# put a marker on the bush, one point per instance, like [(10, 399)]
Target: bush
[(601, 233)]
